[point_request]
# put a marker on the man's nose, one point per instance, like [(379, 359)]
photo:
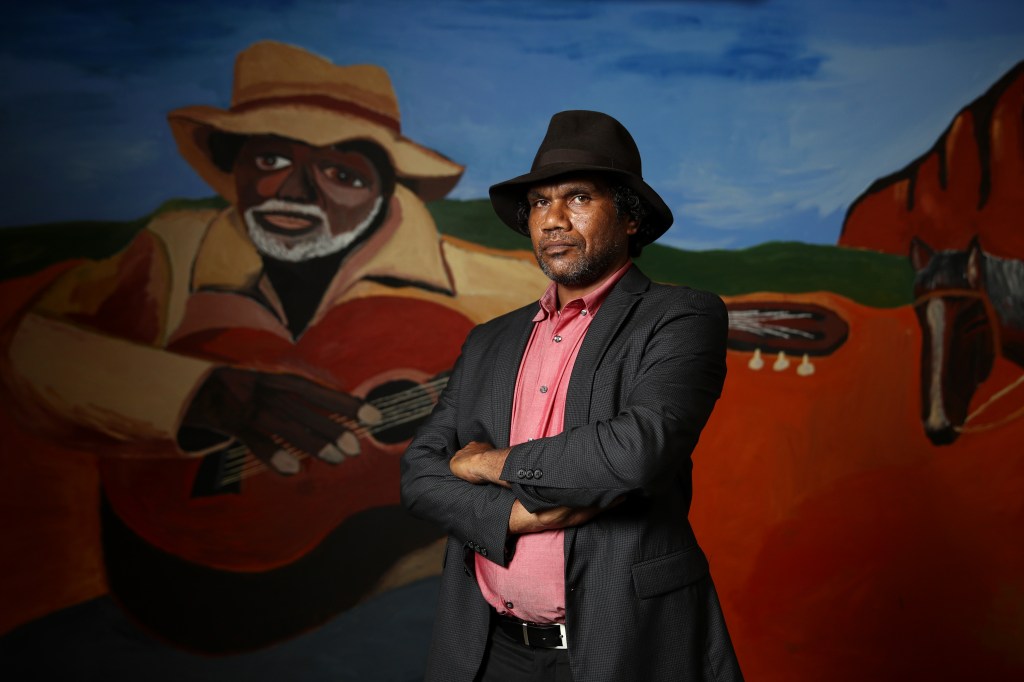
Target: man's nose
[(556, 217), (298, 186)]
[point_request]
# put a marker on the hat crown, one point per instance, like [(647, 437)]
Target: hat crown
[(269, 72), (577, 142), (590, 138)]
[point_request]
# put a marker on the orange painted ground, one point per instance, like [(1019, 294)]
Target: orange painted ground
[(847, 547), (844, 545)]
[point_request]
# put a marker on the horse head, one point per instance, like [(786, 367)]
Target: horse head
[(958, 329)]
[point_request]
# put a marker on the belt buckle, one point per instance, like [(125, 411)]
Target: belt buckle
[(561, 633)]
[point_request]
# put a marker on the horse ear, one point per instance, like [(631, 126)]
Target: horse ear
[(975, 263), (920, 254)]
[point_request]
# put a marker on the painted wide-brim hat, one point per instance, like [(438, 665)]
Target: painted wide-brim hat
[(286, 91), (584, 142)]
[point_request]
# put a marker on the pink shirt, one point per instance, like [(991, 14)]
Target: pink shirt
[(532, 586)]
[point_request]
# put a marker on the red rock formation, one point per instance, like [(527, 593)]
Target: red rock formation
[(971, 182)]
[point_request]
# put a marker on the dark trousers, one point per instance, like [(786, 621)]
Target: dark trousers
[(507, 660)]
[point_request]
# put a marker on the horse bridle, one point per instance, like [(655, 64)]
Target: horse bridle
[(997, 351)]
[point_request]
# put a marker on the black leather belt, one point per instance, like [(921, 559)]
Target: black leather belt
[(531, 635)]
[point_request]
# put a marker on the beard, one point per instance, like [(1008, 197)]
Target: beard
[(321, 241), (586, 269)]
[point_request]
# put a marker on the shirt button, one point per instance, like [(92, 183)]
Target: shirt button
[(543, 389), (558, 339), (509, 605), (583, 312)]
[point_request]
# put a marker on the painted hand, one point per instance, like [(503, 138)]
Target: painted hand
[(280, 417)]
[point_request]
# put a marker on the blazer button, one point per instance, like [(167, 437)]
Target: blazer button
[(521, 473), (483, 551), (529, 473), (537, 473)]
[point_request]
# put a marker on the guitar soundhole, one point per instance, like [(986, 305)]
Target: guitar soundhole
[(404, 405)]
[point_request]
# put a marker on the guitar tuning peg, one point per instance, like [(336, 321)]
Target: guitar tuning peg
[(781, 363), (806, 368)]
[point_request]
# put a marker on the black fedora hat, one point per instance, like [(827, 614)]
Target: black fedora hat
[(584, 141)]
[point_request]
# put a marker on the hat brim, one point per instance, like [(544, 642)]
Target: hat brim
[(507, 196), (430, 174)]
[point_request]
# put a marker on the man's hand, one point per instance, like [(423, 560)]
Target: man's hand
[(280, 417), (480, 463), (522, 521)]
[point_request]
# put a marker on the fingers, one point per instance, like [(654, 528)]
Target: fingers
[(286, 418), (337, 437), (318, 421), (565, 517), (326, 399), (273, 451), (368, 414), (305, 438)]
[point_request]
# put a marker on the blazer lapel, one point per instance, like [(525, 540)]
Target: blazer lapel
[(606, 324), (506, 369)]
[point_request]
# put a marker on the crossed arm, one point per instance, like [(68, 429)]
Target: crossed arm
[(482, 464), (470, 488)]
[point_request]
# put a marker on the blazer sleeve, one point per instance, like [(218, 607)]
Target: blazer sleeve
[(679, 362), (476, 515)]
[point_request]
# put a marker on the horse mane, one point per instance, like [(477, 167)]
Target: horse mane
[(1004, 281)]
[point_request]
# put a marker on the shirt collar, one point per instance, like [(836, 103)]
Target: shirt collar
[(591, 302)]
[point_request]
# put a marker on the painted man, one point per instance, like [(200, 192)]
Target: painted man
[(256, 336), (558, 457)]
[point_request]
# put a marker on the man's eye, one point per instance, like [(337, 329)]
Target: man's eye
[(270, 162), (344, 176), (580, 198)]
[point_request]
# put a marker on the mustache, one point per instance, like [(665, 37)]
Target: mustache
[(291, 207), (559, 241)]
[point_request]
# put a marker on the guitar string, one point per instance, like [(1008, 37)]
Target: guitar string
[(398, 408), (415, 390)]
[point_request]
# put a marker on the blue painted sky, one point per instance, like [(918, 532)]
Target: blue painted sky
[(758, 121)]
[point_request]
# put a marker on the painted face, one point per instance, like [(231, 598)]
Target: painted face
[(301, 202), (578, 237)]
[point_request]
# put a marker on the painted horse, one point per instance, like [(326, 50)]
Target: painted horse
[(970, 305)]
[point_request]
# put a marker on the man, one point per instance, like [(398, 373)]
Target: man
[(570, 555), (268, 324)]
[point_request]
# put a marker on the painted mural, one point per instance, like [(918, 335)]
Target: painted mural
[(203, 408)]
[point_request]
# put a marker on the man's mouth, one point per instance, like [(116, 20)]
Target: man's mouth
[(291, 224), (557, 248)]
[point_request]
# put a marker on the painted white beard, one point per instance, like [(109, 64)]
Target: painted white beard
[(313, 245)]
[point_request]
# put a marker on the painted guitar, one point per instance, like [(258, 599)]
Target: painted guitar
[(229, 511)]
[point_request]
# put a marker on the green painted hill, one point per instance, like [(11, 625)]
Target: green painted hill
[(871, 278)]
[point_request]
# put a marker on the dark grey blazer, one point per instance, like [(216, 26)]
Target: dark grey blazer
[(640, 604)]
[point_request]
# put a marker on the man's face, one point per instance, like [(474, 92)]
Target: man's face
[(301, 202), (578, 237)]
